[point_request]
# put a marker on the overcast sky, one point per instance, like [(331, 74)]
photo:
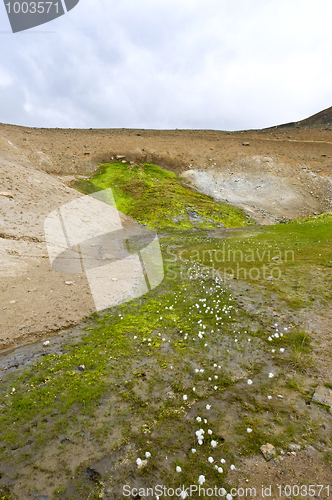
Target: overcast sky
[(209, 64)]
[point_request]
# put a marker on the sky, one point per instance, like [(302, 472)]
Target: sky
[(166, 64)]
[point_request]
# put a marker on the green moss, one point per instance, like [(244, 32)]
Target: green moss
[(158, 198)]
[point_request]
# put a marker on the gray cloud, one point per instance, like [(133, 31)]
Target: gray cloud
[(170, 64)]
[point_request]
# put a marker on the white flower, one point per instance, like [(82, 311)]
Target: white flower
[(210, 378), (229, 496), (193, 450), (201, 370), (13, 389), (269, 397), (205, 345), (223, 491), (271, 375), (198, 419), (209, 431), (282, 349), (249, 430), (270, 338), (200, 441), (216, 376), (135, 337), (273, 350), (178, 469), (215, 365), (194, 389), (147, 454), (208, 407), (210, 459), (201, 479), (214, 443), (221, 470), (196, 370), (249, 381), (222, 460), (232, 467), (205, 421), (139, 461), (183, 494), (215, 387), (185, 397)]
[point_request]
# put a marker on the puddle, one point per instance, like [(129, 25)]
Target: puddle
[(23, 355)]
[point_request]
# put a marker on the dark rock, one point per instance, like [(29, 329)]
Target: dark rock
[(93, 475)]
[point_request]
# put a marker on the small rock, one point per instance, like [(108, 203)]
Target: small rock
[(294, 447), (69, 282), (268, 451), (245, 144), (81, 368), (310, 450), (46, 343), (6, 194), (170, 396), (323, 395), (93, 475)]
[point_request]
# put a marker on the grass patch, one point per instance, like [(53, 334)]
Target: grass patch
[(292, 260)]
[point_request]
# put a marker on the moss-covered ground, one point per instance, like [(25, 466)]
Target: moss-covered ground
[(158, 198), (186, 360)]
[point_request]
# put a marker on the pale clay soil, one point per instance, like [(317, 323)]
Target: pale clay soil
[(281, 173)]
